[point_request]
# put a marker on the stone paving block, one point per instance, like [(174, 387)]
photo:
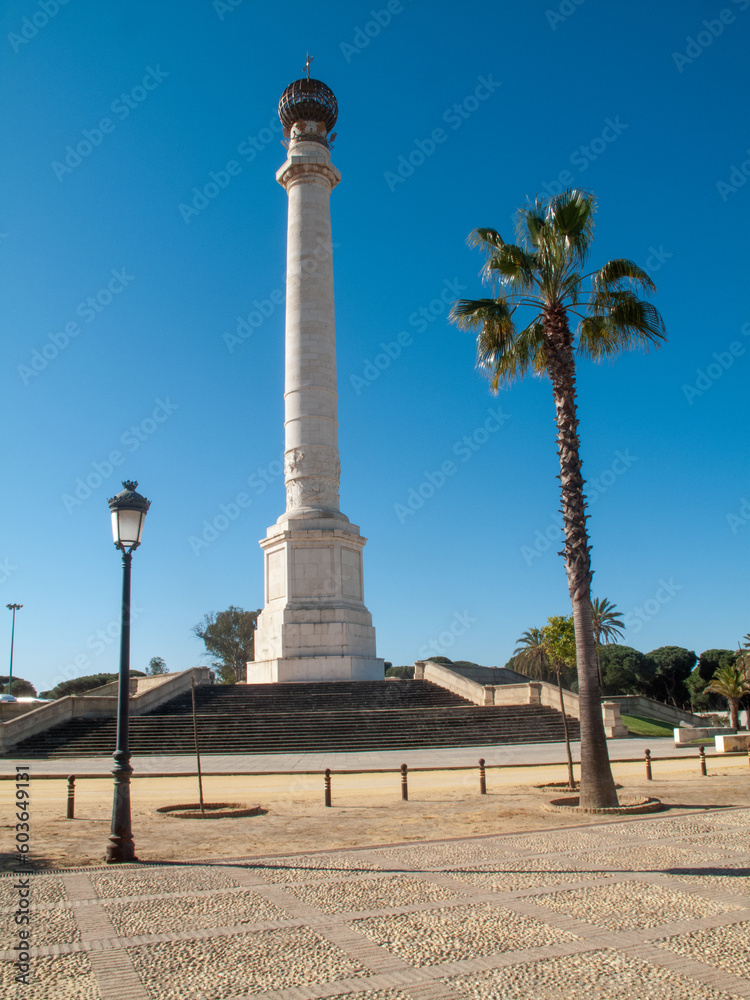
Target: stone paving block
[(630, 905), (160, 881), (519, 874), (644, 858), (438, 857), (45, 891), (221, 909), (372, 894), (47, 927), (54, 977), (444, 934), (228, 966), (726, 947), (728, 879), (604, 975)]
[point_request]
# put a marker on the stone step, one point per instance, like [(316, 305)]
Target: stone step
[(301, 718)]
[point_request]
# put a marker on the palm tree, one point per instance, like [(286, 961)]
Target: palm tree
[(531, 657), (544, 273), (732, 683), (608, 624)]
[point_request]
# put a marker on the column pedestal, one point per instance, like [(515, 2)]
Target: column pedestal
[(314, 626)]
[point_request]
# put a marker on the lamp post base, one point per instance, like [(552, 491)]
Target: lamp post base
[(121, 847)]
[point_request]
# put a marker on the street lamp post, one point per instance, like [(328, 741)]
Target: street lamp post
[(128, 514), (13, 608)]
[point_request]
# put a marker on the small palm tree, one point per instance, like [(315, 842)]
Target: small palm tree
[(732, 682), (608, 624), (544, 273), (531, 657)]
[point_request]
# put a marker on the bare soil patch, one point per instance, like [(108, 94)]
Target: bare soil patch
[(367, 810)]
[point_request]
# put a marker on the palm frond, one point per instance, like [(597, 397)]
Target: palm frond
[(530, 223), (621, 273), (514, 267), (488, 240), (570, 215), (619, 321)]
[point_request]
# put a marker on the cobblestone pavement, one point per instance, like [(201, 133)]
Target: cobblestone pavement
[(629, 910)]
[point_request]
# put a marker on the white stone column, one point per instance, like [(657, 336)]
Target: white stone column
[(314, 625), (311, 462)]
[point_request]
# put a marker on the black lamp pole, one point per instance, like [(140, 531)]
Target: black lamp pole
[(128, 512), (13, 608)]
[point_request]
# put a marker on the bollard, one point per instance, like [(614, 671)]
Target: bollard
[(482, 782), (648, 766), (404, 784), (748, 756), (702, 751), (328, 786), (71, 796)]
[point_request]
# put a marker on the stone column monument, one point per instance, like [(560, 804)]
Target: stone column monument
[(314, 626)]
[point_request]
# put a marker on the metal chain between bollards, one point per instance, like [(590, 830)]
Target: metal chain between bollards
[(404, 783), (482, 781), (648, 766), (71, 796), (328, 786)]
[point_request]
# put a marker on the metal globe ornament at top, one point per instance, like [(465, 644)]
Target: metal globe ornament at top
[(305, 101)]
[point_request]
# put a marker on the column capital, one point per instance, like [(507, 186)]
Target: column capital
[(304, 167)]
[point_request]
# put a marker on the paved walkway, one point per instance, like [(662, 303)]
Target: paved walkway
[(284, 763), (656, 907)]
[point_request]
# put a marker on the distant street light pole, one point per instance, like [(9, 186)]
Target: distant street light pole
[(128, 510), (13, 608)]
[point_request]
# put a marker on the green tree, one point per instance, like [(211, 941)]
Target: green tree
[(626, 670), (156, 666), (21, 687), (229, 636), (673, 667), (559, 643), (544, 272), (608, 625), (733, 683)]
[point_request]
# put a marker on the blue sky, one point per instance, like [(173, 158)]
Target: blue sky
[(143, 313)]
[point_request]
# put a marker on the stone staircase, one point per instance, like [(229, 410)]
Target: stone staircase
[(307, 718)]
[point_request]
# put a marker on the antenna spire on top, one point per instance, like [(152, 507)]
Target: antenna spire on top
[(307, 64)]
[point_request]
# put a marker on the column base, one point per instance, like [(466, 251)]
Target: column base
[(315, 668)]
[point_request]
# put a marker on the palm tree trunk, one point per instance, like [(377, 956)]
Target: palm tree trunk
[(597, 784), (571, 776), (734, 714)]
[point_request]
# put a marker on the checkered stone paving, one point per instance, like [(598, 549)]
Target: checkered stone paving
[(631, 905), (62, 977), (604, 975), (158, 881), (723, 947), (226, 966), (518, 874), (220, 909), (653, 909), (447, 934), (372, 894)]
